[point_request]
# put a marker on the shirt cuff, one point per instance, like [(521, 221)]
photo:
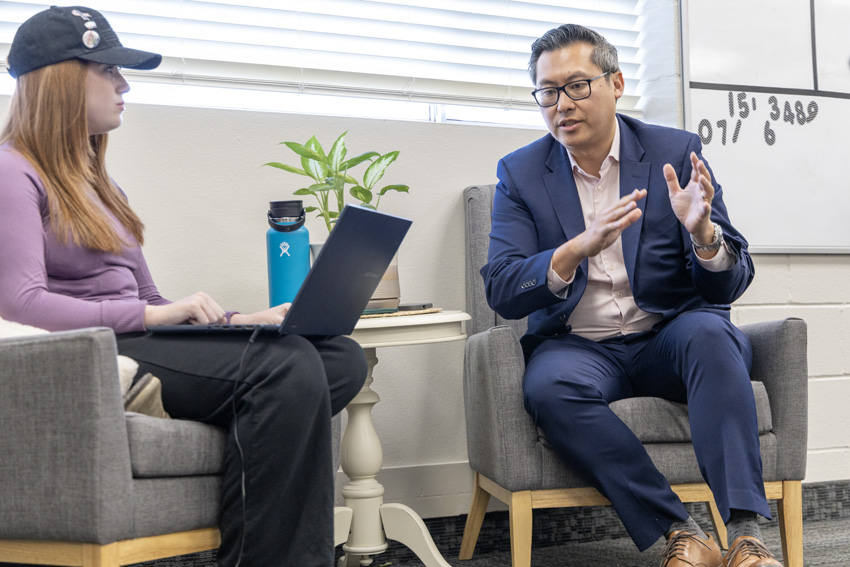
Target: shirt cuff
[(722, 261), (556, 284)]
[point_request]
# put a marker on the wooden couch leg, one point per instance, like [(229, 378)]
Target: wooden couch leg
[(520, 520), (100, 555), (790, 509), (477, 510), (718, 525)]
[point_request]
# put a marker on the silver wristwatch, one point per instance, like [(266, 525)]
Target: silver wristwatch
[(715, 244)]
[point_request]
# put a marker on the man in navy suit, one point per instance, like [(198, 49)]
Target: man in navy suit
[(611, 236)]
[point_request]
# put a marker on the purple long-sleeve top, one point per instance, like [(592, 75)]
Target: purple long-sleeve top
[(57, 286)]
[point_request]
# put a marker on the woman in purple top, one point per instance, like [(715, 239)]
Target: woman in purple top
[(70, 257)]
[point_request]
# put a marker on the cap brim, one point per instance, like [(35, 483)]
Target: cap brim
[(124, 57)]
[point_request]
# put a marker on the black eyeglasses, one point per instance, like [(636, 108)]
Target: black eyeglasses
[(576, 90)]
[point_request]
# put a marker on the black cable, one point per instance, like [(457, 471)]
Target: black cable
[(239, 379)]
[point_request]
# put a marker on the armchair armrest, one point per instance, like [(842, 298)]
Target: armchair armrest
[(501, 438), (65, 468), (779, 362)]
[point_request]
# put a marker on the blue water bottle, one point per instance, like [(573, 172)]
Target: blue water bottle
[(288, 250)]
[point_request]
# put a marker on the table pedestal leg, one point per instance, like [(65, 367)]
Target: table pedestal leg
[(405, 526), (373, 521)]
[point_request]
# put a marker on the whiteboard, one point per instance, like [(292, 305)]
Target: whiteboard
[(767, 89)]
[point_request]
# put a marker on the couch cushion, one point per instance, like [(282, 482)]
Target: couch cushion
[(655, 420), (173, 447)]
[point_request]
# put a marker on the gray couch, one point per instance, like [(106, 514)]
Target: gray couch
[(83, 483), (511, 458)]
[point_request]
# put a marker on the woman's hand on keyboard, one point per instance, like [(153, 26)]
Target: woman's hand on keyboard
[(198, 308), (271, 316)]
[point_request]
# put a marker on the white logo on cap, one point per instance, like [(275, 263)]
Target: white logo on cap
[(82, 15), (91, 39)]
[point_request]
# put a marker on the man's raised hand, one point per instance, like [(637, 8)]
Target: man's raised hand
[(692, 203)]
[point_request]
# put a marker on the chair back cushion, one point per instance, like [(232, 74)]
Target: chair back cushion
[(478, 207)]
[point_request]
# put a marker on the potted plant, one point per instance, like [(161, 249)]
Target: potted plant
[(330, 173)]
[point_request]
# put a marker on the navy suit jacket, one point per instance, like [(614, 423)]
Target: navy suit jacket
[(536, 209)]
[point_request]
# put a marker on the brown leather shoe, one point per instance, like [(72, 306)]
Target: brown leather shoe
[(747, 551), (687, 549)]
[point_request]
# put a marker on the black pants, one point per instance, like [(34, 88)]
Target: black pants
[(288, 388)]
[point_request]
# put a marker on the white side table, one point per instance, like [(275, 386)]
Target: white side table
[(365, 522)]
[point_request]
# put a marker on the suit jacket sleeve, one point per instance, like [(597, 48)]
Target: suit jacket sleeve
[(515, 274), (727, 286)]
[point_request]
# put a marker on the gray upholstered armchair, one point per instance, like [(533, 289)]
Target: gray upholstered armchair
[(81, 482), (513, 463)]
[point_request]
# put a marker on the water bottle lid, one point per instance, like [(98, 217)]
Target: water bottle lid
[(286, 216)]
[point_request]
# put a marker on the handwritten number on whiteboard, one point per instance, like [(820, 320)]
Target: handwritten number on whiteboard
[(769, 135), (704, 131), (722, 125), (742, 104), (801, 116), (813, 111), (788, 116), (774, 114)]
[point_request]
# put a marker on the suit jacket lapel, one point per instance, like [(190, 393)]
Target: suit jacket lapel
[(634, 174), (563, 193)]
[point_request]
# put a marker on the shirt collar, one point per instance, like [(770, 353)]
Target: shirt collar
[(612, 157)]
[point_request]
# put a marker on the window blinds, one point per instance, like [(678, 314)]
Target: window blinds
[(471, 52)]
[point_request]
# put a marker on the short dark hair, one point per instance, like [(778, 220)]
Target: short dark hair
[(604, 54)]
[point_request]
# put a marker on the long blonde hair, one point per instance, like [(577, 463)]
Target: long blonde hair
[(48, 125)]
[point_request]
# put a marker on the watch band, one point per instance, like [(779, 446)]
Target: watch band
[(714, 245)]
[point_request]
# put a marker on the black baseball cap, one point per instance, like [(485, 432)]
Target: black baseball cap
[(71, 32)]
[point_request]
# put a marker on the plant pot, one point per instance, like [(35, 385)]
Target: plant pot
[(388, 293)]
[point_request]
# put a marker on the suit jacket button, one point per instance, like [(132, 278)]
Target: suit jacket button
[(562, 317)]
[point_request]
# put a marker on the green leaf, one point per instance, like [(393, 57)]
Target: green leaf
[(312, 157), (358, 160), (338, 152), (375, 171), (303, 191), (361, 193), (315, 169), (318, 187), (304, 151), (399, 188), (289, 168), (310, 209), (313, 144), (342, 178)]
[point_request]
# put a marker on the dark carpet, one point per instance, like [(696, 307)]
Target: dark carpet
[(581, 537)]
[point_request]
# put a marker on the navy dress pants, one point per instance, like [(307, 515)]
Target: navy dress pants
[(700, 358), (276, 401)]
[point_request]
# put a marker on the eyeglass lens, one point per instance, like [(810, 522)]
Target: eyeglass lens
[(576, 91)]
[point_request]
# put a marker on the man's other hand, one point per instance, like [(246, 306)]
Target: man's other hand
[(692, 203)]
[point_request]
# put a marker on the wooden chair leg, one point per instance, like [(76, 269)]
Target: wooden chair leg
[(718, 525), (100, 555), (520, 520), (477, 509), (790, 509)]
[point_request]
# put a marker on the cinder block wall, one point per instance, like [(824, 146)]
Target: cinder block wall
[(815, 288)]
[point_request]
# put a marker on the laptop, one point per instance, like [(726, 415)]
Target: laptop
[(337, 288)]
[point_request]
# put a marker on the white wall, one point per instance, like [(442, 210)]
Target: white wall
[(195, 177)]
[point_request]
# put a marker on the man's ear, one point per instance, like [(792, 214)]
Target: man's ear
[(619, 84)]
